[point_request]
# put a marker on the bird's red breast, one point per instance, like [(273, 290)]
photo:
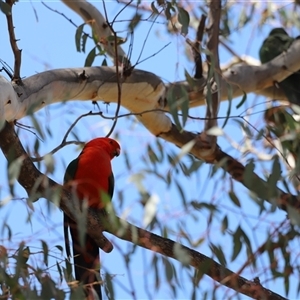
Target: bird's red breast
[(94, 178)]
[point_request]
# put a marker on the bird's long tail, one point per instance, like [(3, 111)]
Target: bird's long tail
[(86, 260)]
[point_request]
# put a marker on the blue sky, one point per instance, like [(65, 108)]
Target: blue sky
[(48, 42)]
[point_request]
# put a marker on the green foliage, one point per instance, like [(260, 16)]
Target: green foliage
[(5, 8), (154, 9), (169, 10), (171, 276), (79, 41), (90, 58), (184, 20), (178, 100), (135, 21), (242, 101), (109, 289), (81, 38), (218, 251), (234, 198), (22, 282)]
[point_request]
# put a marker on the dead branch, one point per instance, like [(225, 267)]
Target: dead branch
[(13, 42)]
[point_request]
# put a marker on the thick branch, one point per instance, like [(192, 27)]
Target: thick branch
[(96, 224), (201, 262), (244, 78), (142, 91)]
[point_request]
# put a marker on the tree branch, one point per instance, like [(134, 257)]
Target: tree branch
[(142, 91), (97, 223), (244, 78), (13, 42), (214, 83)]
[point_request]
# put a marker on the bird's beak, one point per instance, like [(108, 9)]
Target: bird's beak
[(117, 152)]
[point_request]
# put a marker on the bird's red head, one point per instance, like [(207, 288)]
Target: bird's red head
[(111, 146)]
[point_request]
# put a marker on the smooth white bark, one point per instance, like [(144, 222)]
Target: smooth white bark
[(142, 91)]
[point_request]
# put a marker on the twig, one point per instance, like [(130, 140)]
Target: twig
[(141, 6), (127, 67), (268, 246), (117, 73), (120, 11), (27, 128), (64, 140), (60, 146), (13, 42), (63, 15), (152, 55), (147, 35), (6, 68), (213, 96)]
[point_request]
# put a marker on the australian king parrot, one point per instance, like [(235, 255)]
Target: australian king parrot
[(276, 43), (90, 176)]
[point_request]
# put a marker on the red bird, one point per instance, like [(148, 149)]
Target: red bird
[(90, 176)]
